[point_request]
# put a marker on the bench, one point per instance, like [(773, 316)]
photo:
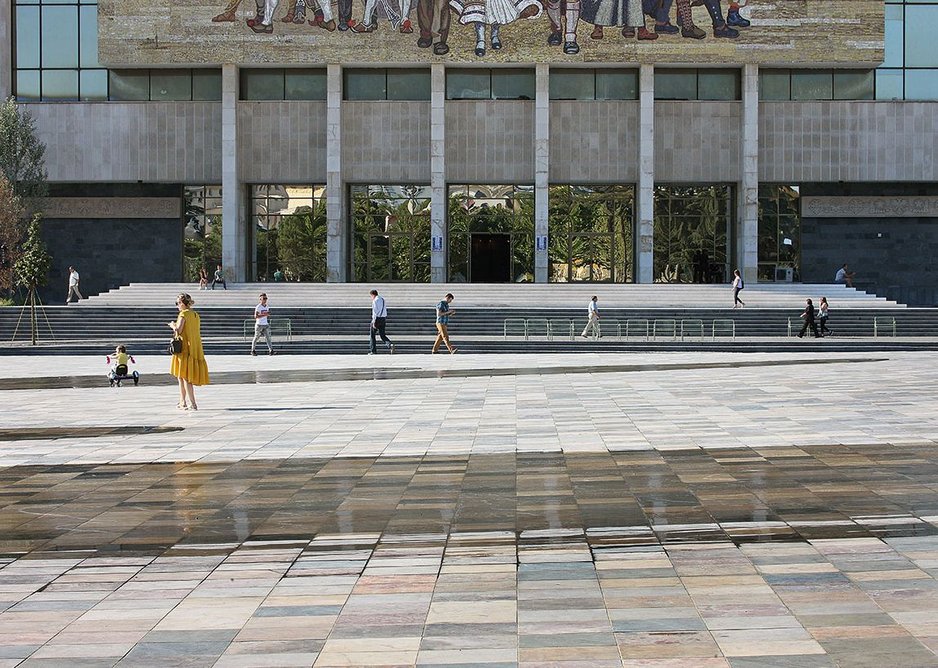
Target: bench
[(278, 327)]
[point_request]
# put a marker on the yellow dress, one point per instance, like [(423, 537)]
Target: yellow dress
[(190, 363)]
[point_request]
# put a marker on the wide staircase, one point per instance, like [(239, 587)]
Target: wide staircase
[(333, 318)]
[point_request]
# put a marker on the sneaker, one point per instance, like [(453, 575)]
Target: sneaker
[(370, 353), (253, 353)]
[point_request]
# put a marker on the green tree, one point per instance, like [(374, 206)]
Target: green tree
[(32, 269), (11, 233), (22, 155), (301, 243)]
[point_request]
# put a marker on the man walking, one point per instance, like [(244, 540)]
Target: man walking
[(262, 325), (73, 279), (808, 316), (443, 313), (592, 322), (379, 320)]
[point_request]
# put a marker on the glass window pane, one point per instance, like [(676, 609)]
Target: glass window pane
[(27, 85), (88, 36), (206, 85), (170, 85), (126, 85), (718, 85), (853, 85), (366, 85), (894, 36), (889, 84), (513, 84), (408, 84), (616, 85), (808, 85), (27, 37), (60, 85), (675, 84), (774, 85), (304, 85), (60, 37), (262, 85), (468, 85), (92, 84), (920, 25), (921, 84), (572, 84)]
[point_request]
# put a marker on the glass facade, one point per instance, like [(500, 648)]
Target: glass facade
[(694, 84), (289, 232), (692, 233), (202, 234), (390, 233), (589, 84), (386, 84), (484, 84), (910, 68), (590, 233), (491, 233), (279, 84), (779, 233)]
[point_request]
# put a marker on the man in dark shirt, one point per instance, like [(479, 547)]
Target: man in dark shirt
[(808, 316)]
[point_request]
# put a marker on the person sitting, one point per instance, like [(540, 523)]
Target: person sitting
[(203, 279), (219, 278), (844, 276), (278, 276)]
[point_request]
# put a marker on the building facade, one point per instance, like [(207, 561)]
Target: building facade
[(355, 160)]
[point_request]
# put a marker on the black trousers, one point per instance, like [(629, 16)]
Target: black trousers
[(219, 280), (804, 328), (377, 329)]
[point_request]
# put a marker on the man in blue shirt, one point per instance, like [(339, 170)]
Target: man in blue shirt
[(443, 313)]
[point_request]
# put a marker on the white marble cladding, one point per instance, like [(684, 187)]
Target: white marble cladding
[(282, 142), (386, 142), (594, 142), (697, 142), (490, 141), (6, 55), (175, 142), (848, 141)]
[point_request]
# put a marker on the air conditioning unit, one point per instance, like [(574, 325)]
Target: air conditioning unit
[(784, 274)]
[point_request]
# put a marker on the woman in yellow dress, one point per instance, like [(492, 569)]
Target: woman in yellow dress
[(188, 365)]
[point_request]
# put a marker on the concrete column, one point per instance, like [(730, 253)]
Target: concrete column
[(438, 229), (233, 226), (747, 207), (6, 53), (336, 225), (541, 166), (645, 193)]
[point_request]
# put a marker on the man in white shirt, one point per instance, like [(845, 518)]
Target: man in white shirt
[(844, 276), (379, 320), (262, 325), (592, 322), (73, 279)]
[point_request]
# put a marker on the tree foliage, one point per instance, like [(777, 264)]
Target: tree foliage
[(301, 243), (11, 233), (32, 267), (22, 155)]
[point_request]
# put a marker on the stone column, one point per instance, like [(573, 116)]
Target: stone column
[(6, 53), (336, 225), (233, 227), (541, 176), (747, 207), (439, 242), (645, 192)]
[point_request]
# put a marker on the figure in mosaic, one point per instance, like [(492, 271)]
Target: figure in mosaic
[(616, 13), (720, 29), (263, 22), (564, 16), (494, 13), (396, 11), (231, 12), (433, 19), (322, 13)]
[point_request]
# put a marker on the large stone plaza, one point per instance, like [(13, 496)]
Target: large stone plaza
[(661, 509)]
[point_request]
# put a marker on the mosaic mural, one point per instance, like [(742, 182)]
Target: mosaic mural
[(781, 32)]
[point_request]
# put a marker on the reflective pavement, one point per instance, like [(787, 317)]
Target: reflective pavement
[(667, 510)]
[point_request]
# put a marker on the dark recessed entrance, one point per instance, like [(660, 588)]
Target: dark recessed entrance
[(490, 258)]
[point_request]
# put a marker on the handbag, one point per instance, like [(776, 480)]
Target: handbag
[(175, 346)]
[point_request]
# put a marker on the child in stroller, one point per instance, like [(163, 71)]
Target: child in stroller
[(121, 371)]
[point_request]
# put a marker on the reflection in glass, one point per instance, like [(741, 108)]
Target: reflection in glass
[(408, 84), (513, 84), (27, 37), (60, 85), (500, 212), (289, 232), (88, 36), (616, 84), (572, 84), (170, 85), (590, 233), (202, 233), (691, 233), (305, 84), (853, 85), (809, 85), (390, 233), (468, 84), (128, 85), (262, 84), (675, 84), (779, 241), (718, 85), (370, 84), (92, 84), (206, 85), (774, 85)]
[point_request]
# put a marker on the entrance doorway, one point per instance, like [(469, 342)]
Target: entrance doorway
[(490, 258)]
